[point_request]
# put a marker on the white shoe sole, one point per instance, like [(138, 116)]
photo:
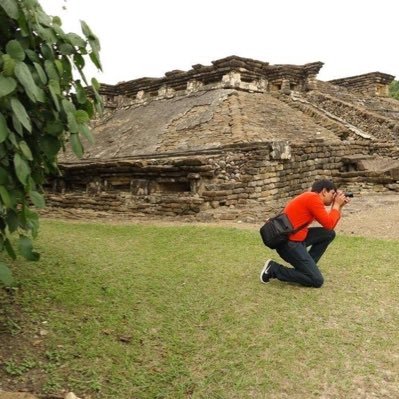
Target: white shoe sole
[(265, 269)]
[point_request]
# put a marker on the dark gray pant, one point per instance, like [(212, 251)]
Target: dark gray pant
[(304, 261)]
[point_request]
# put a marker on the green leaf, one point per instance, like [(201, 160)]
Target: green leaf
[(59, 66), (76, 145), (46, 34), (95, 53), (25, 150), (20, 113), (89, 108), (86, 132), (9, 249), (54, 88), (25, 248), (12, 220), (95, 58), (43, 18), (95, 44), (68, 106), (67, 69), (50, 146), (15, 50), (40, 72), (16, 196), (37, 199), (95, 47), (22, 169), (75, 40), (8, 65), (72, 123), (98, 100), (6, 275), (38, 175), (98, 103), (40, 95), (66, 49), (3, 176), (7, 85), (80, 93), (32, 55), (83, 76), (5, 197), (24, 76), (4, 156), (18, 128), (10, 7), (79, 61), (81, 116), (96, 85), (86, 29), (54, 127), (47, 52), (25, 29), (4, 132), (51, 70), (59, 31), (57, 21), (31, 220)]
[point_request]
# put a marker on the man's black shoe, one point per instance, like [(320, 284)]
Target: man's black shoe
[(265, 274)]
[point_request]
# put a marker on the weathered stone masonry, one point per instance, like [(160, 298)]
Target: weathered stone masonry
[(237, 181), (230, 141)]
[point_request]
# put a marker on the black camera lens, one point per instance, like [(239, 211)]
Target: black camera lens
[(349, 194)]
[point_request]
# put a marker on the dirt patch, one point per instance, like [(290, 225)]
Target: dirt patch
[(375, 216)]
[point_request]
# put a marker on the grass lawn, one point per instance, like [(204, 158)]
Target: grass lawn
[(136, 311)]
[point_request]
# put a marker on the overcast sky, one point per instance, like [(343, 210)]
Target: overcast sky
[(146, 38)]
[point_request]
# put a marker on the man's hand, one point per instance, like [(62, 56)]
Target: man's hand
[(340, 200)]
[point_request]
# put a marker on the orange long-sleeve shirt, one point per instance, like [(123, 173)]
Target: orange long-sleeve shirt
[(304, 209)]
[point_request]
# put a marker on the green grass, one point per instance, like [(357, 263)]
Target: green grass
[(179, 312)]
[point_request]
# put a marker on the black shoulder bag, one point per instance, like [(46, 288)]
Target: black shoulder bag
[(277, 229)]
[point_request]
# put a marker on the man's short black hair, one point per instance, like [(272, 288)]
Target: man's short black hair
[(319, 185)]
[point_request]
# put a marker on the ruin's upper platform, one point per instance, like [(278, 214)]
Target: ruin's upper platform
[(230, 72), (241, 74)]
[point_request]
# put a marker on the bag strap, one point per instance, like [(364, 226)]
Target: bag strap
[(298, 228)]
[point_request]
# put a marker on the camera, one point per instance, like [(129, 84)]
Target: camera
[(348, 194)]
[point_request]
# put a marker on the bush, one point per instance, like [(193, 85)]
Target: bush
[(42, 107)]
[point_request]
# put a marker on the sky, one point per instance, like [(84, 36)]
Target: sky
[(146, 38)]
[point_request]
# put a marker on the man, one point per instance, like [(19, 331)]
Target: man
[(305, 247)]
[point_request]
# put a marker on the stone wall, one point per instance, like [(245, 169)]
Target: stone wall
[(224, 183)]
